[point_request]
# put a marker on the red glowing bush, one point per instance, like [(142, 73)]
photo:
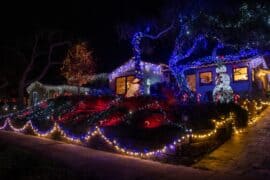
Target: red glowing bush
[(153, 121)]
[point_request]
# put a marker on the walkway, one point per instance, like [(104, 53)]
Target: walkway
[(244, 155)]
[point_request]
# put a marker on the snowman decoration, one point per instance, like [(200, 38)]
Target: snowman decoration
[(222, 92)]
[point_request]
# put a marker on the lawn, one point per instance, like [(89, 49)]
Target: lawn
[(17, 163)]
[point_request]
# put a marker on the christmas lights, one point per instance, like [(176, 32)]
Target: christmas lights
[(178, 70), (78, 65), (97, 131), (130, 65)]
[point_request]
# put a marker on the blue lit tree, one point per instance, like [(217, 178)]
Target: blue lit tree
[(201, 28), (136, 43), (249, 28)]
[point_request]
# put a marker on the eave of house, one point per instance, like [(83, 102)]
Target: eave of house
[(55, 87), (129, 66), (254, 62)]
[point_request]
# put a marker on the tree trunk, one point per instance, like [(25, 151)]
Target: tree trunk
[(21, 94), (79, 88)]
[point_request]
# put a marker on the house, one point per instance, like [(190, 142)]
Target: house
[(123, 80), (38, 91), (245, 78), (248, 77)]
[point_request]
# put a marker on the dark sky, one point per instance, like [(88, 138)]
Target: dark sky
[(92, 21), (89, 20)]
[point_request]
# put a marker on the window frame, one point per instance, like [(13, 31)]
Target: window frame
[(116, 85), (233, 75), (206, 84), (126, 88)]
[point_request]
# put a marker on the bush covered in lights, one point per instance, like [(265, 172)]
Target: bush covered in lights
[(200, 116)]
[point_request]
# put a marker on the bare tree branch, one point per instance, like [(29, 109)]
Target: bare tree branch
[(160, 33), (30, 65), (49, 63)]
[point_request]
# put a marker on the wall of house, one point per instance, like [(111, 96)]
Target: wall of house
[(240, 87), (149, 79)]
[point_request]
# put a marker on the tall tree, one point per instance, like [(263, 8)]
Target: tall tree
[(78, 65), (244, 35), (38, 51)]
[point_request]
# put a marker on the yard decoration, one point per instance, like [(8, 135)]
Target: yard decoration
[(222, 92)]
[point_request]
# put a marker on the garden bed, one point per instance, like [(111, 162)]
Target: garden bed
[(142, 124)]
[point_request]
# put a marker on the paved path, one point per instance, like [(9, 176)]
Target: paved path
[(245, 155), (99, 164)]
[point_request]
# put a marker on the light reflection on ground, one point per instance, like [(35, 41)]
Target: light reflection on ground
[(245, 154)]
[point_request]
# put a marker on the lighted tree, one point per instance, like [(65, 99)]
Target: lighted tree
[(78, 65), (201, 34), (242, 37), (136, 43)]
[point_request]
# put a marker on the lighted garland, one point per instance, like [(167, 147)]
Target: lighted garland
[(217, 125), (43, 133), (97, 131), (122, 149), (146, 107), (17, 129), (78, 139), (116, 145), (4, 125)]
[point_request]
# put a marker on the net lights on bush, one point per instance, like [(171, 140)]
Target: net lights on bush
[(217, 125)]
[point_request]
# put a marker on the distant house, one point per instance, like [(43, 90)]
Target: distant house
[(243, 75), (123, 79), (38, 91)]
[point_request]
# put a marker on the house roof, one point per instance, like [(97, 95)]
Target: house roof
[(253, 55), (54, 87), (130, 65)]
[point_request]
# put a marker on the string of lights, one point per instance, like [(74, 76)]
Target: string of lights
[(189, 134)]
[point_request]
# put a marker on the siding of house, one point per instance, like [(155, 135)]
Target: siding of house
[(240, 87)]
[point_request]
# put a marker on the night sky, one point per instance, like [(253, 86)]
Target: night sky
[(94, 22), (91, 21)]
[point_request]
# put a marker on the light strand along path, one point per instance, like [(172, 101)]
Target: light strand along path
[(98, 164), (245, 155)]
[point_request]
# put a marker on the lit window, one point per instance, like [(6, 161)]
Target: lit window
[(206, 78), (191, 81), (240, 74), (121, 85)]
